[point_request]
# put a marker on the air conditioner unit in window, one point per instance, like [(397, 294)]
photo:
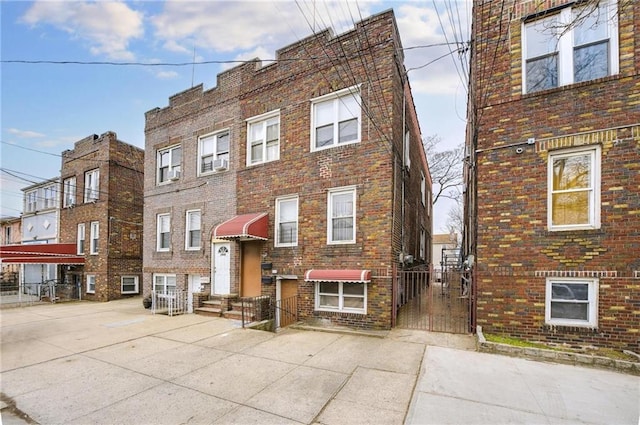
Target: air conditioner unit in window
[(174, 175), (220, 164)]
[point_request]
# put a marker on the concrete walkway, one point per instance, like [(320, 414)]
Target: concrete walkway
[(107, 363)]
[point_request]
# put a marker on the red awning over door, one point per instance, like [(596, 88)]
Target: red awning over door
[(338, 275), (246, 226), (54, 253)]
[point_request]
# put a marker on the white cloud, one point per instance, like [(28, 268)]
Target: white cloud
[(167, 75), (24, 134), (107, 27)]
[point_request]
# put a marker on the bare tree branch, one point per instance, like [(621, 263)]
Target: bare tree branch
[(445, 168)]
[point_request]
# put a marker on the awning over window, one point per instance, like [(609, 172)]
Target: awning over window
[(330, 275), (53, 253), (246, 226)]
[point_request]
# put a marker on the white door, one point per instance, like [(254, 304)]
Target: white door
[(221, 268), (194, 286)]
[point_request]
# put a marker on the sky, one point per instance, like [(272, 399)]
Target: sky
[(74, 68)]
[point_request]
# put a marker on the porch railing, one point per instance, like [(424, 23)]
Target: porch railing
[(171, 303)]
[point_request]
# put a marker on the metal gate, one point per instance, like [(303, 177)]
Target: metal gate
[(442, 305)]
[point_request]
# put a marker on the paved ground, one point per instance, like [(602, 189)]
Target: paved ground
[(108, 363)]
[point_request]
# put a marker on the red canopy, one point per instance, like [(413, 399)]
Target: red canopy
[(246, 226), (53, 253), (338, 275)]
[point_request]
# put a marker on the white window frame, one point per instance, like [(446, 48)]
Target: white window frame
[(407, 149), (92, 185), (336, 99), (136, 280), (69, 192), (166, 280), (95, 238), (423, 189), (81, 239), (565, 44), (171, 167), (159, 220), (592, 301), (187, 234), (49, 196), (31, 201), (262, 122), (594, 196), (279, 202), (341, 296), (331, 194), (423, 243), (216, 154), (91, 284)]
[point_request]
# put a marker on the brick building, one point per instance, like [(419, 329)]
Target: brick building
[(553, 171), (304, 178), (11, 235), (101, 214)]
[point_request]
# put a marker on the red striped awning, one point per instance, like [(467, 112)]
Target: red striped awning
[(342, 275), (53, 253), (245, 226)]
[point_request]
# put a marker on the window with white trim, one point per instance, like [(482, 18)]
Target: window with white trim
[(335, 119), (164, 284), (213, 152), (574, 189), (578, 43), (193, 230), (423, 188), (91, 185), (163, 242), (169, 164), (50, 196), (91, 284), (69, 192), (95, 235), (423, 243), (129, 285), (341, 216), (80, 238), (347, 297), (287, 221), (31, 201), (263, 138), (407, 149), (571, 302)]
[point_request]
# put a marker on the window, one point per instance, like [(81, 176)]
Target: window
[(31, 201), (95, 234), (129, 285), (91, 284), (164, 284), (213, 152), (341, 296), (69, 192), (571, 302), (169, 164), (7, 235), (423, 244), (335, 119), (423, 189), (341, 216), (263, 138), (287, 221), (91, 185), (80, 238), (193, 232), (407, 149), (49, 196), (577, 44), (574, 189), (164, 232)]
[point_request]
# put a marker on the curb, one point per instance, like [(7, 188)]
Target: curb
[(564, 357)]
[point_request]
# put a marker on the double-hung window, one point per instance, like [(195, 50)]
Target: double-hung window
[(578, 43), (263, 138), (91, 283), (348, 297), (213, 152), (287, 221), (69, 192), (80, 238), (91, 185), (163, 242), (423, 188), (169, 167), (31, 201), (164, 284), (571, 302), (95, 235), (49, 196), (335, 119), (193, 230), (573, 199), (129, 285), (341, 216)]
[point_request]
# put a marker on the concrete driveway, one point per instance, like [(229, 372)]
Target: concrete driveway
[(109, 363)]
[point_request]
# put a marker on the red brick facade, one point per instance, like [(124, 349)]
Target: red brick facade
[(368, 60), (511, 136), (117, 210)]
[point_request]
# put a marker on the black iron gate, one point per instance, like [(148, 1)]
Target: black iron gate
[(438, 305)]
